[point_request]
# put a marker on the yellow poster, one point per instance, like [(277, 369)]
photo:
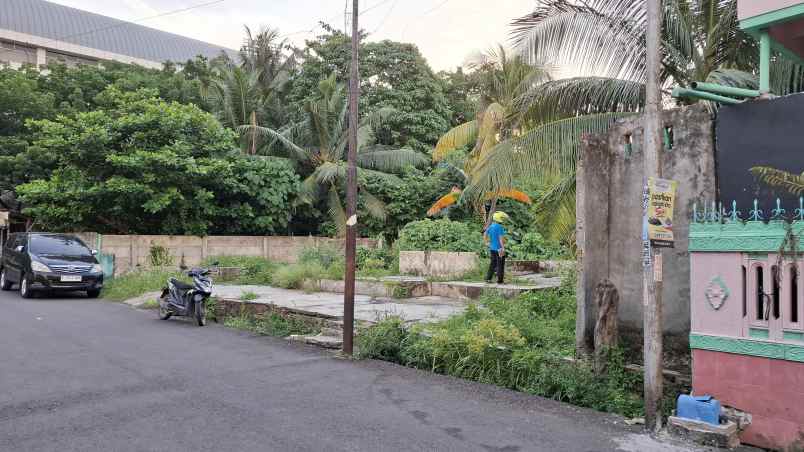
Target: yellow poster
[(662, 195)]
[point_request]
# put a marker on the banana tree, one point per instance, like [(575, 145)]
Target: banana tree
[(505, 79)]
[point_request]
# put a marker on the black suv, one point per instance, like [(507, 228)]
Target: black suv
[(49, 263)]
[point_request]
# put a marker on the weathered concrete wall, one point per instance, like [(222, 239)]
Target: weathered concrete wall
[(610, 214), (436, 263), (132, 251)]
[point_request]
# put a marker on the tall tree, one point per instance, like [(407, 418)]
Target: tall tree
[(393, 74), (600, 45), (318, 145)]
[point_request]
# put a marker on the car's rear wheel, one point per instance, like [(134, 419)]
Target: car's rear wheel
[(5, 284), (94, 293), (25, 289)]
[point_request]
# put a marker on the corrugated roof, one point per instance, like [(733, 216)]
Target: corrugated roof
[(52, 21)]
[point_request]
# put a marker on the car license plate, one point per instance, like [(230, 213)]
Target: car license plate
[(76, 278)]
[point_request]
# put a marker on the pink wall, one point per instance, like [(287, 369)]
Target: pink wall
[(771, 390), (751, 8), (728, 319)]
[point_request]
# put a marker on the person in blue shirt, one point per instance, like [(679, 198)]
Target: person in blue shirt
[(495, 237)]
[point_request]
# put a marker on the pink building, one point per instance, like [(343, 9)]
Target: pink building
[(747, 332)]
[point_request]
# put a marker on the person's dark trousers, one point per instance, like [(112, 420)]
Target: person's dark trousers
[(497, 265)]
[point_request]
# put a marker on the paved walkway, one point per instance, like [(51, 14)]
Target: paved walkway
[(369, 309)]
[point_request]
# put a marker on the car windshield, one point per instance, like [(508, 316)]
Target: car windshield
[(58, 245)]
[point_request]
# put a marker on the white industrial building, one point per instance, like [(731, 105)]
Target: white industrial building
[(38, 32)]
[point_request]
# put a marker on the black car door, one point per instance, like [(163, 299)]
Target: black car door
[(14, 261)]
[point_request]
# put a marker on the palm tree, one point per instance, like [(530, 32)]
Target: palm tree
[(318, 145), (602, 41), (251, 92), (504, 79)]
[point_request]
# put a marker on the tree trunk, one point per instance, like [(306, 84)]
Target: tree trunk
[(606, 333)]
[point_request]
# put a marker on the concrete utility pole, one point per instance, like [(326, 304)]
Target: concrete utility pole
[(652, 265), (351, 192)]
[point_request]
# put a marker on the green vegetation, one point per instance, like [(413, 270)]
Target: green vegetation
[(253, 270), (518, 344), (249, 296), (441, 235), (532, 246), (136, 283), (268, 325)]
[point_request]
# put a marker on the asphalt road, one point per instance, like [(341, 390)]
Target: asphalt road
[(80, 375)]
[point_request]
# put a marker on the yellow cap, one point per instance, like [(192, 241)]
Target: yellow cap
[(500, 217)]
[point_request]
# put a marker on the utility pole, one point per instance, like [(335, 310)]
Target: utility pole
[(652, 261), (351, 192)]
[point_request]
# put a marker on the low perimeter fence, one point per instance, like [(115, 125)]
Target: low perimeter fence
[(129, 252)]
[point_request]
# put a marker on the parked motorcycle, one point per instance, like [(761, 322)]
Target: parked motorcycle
[(187, 300)]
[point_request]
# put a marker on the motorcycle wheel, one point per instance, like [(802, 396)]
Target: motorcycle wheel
[(164, 314), (201, 313)]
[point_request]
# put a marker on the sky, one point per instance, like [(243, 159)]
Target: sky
[(446, 31)]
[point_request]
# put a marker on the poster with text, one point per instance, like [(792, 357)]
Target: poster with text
[(662, 195)]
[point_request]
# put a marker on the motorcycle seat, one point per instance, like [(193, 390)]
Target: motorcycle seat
[(181, 285)]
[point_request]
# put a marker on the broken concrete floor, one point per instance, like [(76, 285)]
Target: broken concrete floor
[(330, 305)]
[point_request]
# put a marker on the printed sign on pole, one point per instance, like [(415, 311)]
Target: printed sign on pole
[(662, 195)]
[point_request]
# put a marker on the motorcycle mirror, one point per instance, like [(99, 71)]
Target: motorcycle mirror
[(94, 252)]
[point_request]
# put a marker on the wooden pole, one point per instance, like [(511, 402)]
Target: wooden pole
[(351, 192), (652, 261)]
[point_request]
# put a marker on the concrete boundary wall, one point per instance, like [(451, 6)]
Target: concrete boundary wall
[(609, 216), (133, 251), (437, 263)]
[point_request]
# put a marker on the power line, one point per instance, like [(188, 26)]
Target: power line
[(387, 15), (311, 30), (127, 23), (431, 10)]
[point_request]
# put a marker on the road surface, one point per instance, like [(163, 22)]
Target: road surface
[(81, 375)]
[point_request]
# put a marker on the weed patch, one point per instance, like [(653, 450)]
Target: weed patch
[(518, 344), (268, 325), (248, 296), (137, 283), (254, 270)]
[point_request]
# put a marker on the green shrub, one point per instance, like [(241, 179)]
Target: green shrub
[(254, 270), (532, 246), (325, 255), (440, 235), (374, 258), (293, 276), (383, 341), (159, 256)]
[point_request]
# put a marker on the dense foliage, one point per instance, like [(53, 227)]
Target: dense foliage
[(139, 164), (440, 235), (394, 75)]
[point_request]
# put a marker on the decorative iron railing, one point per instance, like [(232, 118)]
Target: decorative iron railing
[(715, 212)]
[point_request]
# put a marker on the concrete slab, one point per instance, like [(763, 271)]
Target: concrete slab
[(367, 309)]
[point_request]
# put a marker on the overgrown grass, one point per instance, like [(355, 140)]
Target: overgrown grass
[(519, 344), (136, 283), (254, 270), (268, 325), (248, 296)]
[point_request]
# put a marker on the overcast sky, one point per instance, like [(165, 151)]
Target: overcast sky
[(446, 31)]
